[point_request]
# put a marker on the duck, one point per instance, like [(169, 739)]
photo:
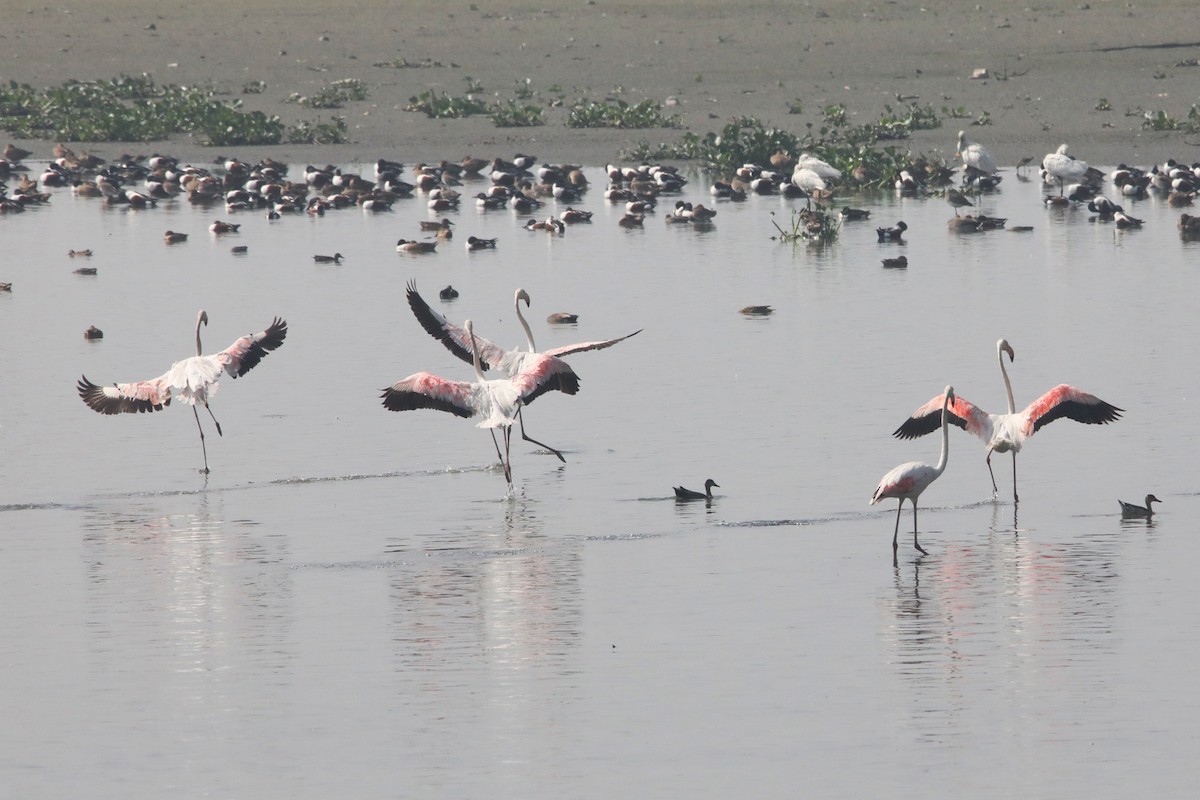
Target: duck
[(239, 250), (79, 253), (406, 246), (475, 243), (690, 494), (855, 214), (93, 332), (432, 224), (700, 213), (549, 224), (893, 234), (1104, 207), (573, 215), (14, 153), (5, 287), (1189, 226), (1124, 221), (756, 311), (1131, 511), (900, 262), (174, 237), (449, 293), (562, 318), (220, 227), (85, 271), (631, 221), (490, 202), (336, 258)]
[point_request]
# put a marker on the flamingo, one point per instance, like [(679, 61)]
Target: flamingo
[(192, 380), (907, 481), (1132, 511), (974, 156), (1003, 433), (498, 401), (510, 362)]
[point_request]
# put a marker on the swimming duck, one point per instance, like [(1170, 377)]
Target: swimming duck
[(93, 332), (475, 243), (433, 225), (449, 293), (239, 250), (572, 216), (174, 237), (855, 214), (82, 253), (631, 221), (5, 287), (689, 494), (700, 213), (1189, 226), (549, 224), (336, 258), (893, 234), (562, 318), (489, 202), (1124, 221), (219, 227), (1131, 511), (900, 262), (85, 271), (405, 246), (756, 311)]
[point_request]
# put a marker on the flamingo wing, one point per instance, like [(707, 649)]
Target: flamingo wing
[(1067, 401), (928, 418), (456, 339), (425, 390), (582, 347), (542, 373), (244, 354), (126, 398)]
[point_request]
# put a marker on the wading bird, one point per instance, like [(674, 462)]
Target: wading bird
[(491, 355), (192, 380), (498, 401), (907, 481), (1003, 433)]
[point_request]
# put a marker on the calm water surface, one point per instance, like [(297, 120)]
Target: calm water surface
[(351, 605)]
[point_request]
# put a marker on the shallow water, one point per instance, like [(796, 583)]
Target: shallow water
[(351, 604)]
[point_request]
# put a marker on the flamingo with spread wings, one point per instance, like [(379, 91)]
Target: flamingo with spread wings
[(192, 380), (491, 355), (498, 400), (1003, 433)]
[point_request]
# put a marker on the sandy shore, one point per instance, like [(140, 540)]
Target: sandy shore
[(1050, 66)]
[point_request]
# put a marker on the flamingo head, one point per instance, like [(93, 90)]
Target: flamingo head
[(1003, 346), (203, 318), (949, 395), (521, 295)]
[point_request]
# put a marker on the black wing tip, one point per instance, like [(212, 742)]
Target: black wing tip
[(95, 398), (397, 400)]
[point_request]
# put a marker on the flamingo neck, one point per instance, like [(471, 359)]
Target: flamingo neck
[(525, 325), (199, 320), (475, 356), (944, 456), (1012, 406)]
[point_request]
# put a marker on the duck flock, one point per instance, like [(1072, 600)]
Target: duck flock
[(523, 186)]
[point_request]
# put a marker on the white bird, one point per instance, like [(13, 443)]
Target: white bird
[(907, 481), (1003, 433), (491, 355), (498, 401), (975, 156), (825, 170), (808, 180), (1064, 168), (192, 380)]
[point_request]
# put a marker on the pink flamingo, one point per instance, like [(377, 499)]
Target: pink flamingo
[(1004, 433), (907, 481), (509, 362), (498, 401), (192, 380)]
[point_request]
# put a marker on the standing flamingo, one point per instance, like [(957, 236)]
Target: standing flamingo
[(192, 380), (510, 362), (1003, 433), (907, 481), (498, 401)]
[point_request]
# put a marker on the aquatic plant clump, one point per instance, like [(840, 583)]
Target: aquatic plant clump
[(620, 114), (132, 109)]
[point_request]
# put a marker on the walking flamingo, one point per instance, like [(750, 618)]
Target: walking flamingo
[(192, 380), (510, 362), (907, 481), (498, 401), (1003, 433)]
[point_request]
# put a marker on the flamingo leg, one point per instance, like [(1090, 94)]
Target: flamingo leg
[(507, 457), (203, 449), (995, 488), (521, 419), (214, 418), (917, 544), (896, 532), (499, 455), (1015, 498)]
